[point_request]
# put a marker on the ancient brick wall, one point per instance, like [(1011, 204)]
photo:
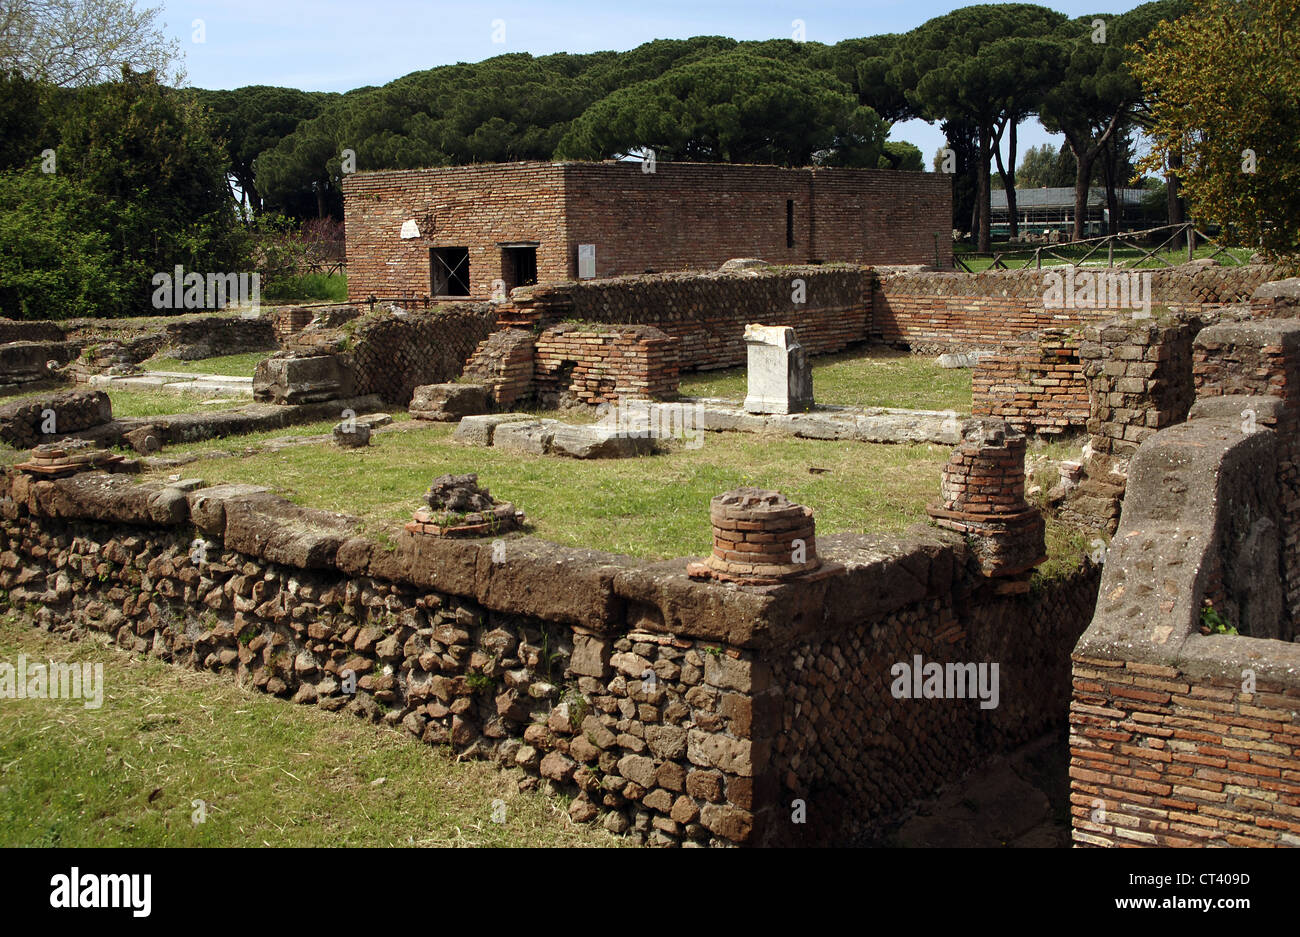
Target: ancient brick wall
[(707, 313), (674, 709), (688, 216), (1181, 736), (504, 363), (682, 216), (857, 754), (1171, 756), (594, 366), (934, 311), (1234, 363), (1036, 384)]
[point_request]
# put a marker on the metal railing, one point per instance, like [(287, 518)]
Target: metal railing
[(1137, 241)]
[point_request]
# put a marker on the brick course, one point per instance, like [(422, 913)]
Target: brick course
[(1036, 385), (606, 365), (707, 312)]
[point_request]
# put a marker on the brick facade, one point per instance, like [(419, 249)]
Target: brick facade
[(682, 216), (1161, 757)]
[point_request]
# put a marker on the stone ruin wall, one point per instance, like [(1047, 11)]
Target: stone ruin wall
[(1181, 737), (680, 710), (1056, 379), (1036, 384), (391, 354), (933, 312), (707, 313), (102, 343)]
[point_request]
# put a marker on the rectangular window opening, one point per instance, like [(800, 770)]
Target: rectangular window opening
[(449, 271), (789, 222), (518, 267)]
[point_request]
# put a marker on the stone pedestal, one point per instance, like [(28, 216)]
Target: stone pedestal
[(780, 379)]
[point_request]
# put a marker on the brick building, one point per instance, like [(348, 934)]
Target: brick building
[(462, 231)]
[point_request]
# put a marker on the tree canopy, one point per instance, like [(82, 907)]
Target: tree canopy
[(1224, 106), (740, 107), (137, 185)]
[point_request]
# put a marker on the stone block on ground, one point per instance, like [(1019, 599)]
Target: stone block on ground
[(597, 442), (449, 402), (352, 434), (304, 379), (144, 440), (480, 430), (527, 437)]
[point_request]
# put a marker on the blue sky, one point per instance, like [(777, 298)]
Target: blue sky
[(337, 45)]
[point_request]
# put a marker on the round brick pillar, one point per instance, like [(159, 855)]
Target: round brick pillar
[(759, 537), (986, 474), (983, 496)]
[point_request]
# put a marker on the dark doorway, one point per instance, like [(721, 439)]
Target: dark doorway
[(519, 265), (449, 271)]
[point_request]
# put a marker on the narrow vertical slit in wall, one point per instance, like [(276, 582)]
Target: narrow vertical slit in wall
[(789, 222)]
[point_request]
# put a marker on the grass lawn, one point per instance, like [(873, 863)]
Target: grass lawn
[(870, 377), (241, 365), (651, 507), (142, 403), (270, 773)]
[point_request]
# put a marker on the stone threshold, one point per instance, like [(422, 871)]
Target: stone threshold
[(863, 424), (178, 382)]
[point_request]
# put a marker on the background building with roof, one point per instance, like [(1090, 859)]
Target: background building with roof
[(481, 230), (1049, 209)]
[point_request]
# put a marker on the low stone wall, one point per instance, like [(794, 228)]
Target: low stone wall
[(23, 363), (33, 420), (186, 337), (102, 343), (392, 353), (1036, 385), (931, 312), (707, 312), (19, 330), (677, 709)]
